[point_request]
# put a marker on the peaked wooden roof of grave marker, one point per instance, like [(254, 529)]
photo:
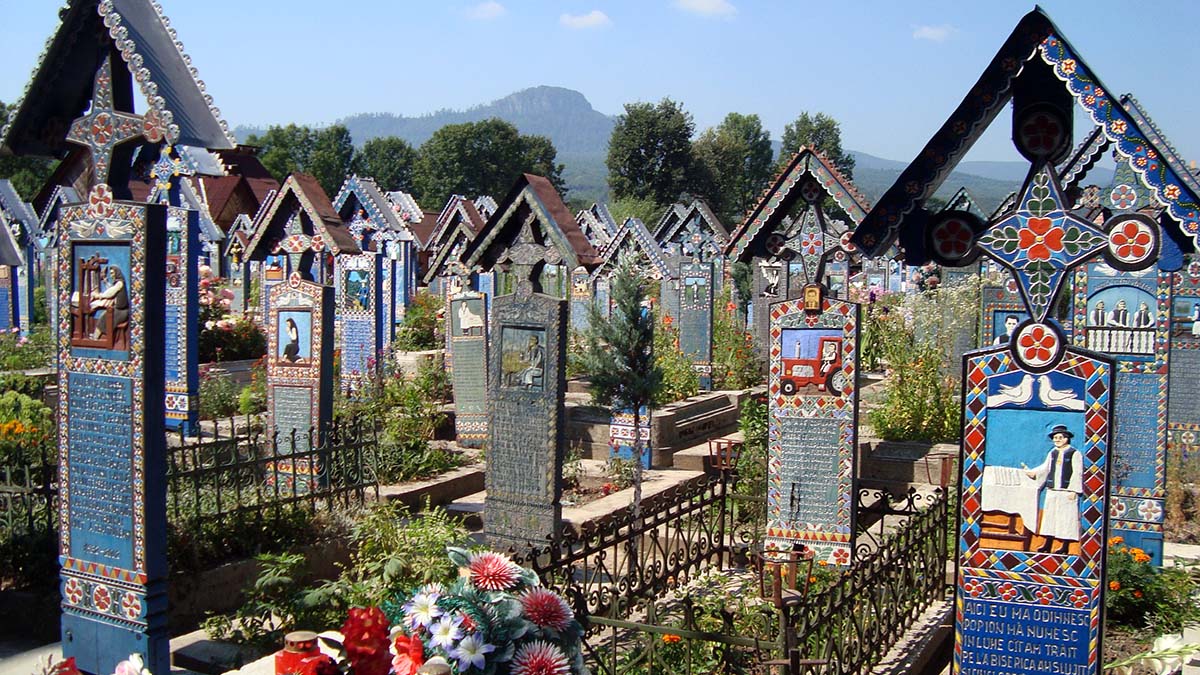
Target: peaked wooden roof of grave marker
[(633, 236), (237, 239), (531, 196), (458, 209), (767, 216), (420, 223), (10, 248), (687, 218), (963, 200), (48, 220), (486, 206), (900, 215), (595, 229), (459, 227), (62, 82), (360, 192), (323, 228)]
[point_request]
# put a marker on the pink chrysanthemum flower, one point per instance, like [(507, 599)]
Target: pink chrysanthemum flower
[(492, 572), (546, 609), (539, 658)]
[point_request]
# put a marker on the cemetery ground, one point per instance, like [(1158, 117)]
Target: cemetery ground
[(682, 587)]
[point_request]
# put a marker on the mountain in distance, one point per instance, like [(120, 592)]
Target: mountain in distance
[(580, 133)]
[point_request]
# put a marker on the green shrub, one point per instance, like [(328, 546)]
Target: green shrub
[(1140, 594), (419, 330), (231, 339), (27, 432), (26, 353), (253, 398), (679, 379), (31, 386), (734, 363), (218, 397)]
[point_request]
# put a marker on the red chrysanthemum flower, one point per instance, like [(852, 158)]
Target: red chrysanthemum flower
[(492, 571), (1040, 239), (539, 658), (546, 609)]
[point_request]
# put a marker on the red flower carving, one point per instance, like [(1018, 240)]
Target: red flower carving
[(73, 591), (1131, 241), (1044, 595), (1079, 598), (101, 598), (1042, 133), (841, 556), (1007, 591), (973, 588), (1037, 344), (1040, 239), (954, 238), (811, 243)]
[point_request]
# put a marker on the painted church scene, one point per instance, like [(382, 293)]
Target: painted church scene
[(547, 349)]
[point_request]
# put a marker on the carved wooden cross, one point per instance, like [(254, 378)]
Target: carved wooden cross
[(527, 256), (104, 127)]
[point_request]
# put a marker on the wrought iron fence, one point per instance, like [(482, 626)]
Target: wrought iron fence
[(617, 572), (238, 473), (847, 628)]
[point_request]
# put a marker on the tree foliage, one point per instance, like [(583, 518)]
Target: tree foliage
[(650, 152), (619, 354), (324, 153), (389, 161), (28, 174), (736, 158), (819, 132), (481, 158)]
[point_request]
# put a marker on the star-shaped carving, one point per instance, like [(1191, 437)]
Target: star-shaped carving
[(104, 127), (1041, 241), (526, 253), (816, 242)]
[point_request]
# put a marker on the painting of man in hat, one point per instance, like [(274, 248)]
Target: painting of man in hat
[(1061, 479)]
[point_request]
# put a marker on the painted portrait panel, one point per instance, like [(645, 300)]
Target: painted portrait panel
[(1004, 324), (294, 337), (467, 316), (357, 290), (811, 362), (100, 301), (522, 358), (1033, 490), (1122, 320)]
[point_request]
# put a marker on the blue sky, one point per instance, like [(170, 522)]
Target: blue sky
[(890, 72)]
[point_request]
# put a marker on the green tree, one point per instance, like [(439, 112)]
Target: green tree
[(737, 158), (619, 354), (481, 158), (325, 153), (650, 152), (28, 174), (332, 152), (818, 132), (388, 160)]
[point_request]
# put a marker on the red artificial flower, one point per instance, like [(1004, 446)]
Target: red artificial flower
[(539, 658), (492, 572), (66, 667), (366, 643), (409, 655), (546, 609), (1040, 239)]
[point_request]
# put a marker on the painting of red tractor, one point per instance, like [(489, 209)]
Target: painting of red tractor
[(811, 362)]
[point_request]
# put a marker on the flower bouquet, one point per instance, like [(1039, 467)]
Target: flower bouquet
[(495, 619)]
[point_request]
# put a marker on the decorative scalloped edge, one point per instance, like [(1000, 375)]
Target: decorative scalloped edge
[(1084, 157), (1074, 72), (635, 229), (786, 179), (360, 187), (719, 238), (112, 20)]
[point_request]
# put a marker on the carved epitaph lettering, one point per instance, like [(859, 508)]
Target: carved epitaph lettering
[(468, 346), (101, 470), (112, 523), (813, 406), (525, 419)]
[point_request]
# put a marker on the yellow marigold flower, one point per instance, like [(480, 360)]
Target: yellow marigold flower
[(671, 639), (812, 580), (1141, 558), (1114, 585), (823, 563), (1113, 541)]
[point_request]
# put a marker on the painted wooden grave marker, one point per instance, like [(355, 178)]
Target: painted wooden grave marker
[(468, 323)]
